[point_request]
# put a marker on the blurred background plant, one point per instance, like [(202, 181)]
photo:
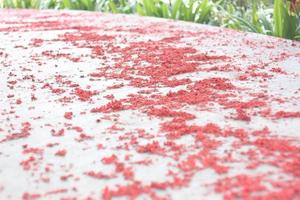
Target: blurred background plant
[(279, 18)]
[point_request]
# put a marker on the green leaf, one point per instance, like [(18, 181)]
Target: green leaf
[(205, 10), (165, 11), (147, 4), (67, 4), (245, 23), (278, 18), (112, 6), (175, 9), (140, 10)]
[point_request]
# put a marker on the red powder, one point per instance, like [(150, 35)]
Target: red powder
[(244, 186), (61, 153), (284, 114), (242, 115), (132, 191), (212, 128), (155, 69), (30, 196), (84, 95), (68, 115), (33, 151), (110, 107), (97, 50), (37, 42), (26, 164), (25, 132), (109, 160), (116, 86), (100, 175), (83, 137), (166, 112), (153, 148), (18, 101), (66, 177), (76, 128), (59, 133), (57, 191)]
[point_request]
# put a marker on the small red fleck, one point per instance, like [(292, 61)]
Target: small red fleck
[(84, 95), (212, 128), (50, 145), (100, 146), (110, 107), (25, 132), (77, 129), (18, 101), (33, 150), (33, 97), (65, 177), (284, 114), (68, 115), (36, 42), (116, 86), (61, 153), (57, 191), (110, 159), (100, 175), (26, 164), (28, 196), (83, 137), (61, 132)]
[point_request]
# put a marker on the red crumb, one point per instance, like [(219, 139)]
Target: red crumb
[(18, 101), (284, 114), (30, 196), (100, 175), (110, 107), (61, 153), (110, 159), (191, 106), (25, 132), (60, 132), (68, 115), (84, 95)]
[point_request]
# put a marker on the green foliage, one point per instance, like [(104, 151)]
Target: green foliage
[(192, 10), (275, 20), (20, 4), (286, 24), (271, 17)]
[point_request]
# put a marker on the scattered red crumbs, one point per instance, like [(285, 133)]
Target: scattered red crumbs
[(284, 114), (166, 112), (61, 153), (109, 160), (100, 175), (110, 107), (153, 147), (33, 150), (25, 132), (77, 129), (27, 164), (224, 121), (37, 42), (28, 196), (84, 95), (66, 177), (83, 137), (68, 115), (58, 133), (18, 101)]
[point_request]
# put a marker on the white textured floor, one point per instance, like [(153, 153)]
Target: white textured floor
[(100, 106)]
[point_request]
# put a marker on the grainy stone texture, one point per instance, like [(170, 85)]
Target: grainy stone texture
[(100, 106)]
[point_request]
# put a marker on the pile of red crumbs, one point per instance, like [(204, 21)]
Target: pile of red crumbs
[(99, 106)]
